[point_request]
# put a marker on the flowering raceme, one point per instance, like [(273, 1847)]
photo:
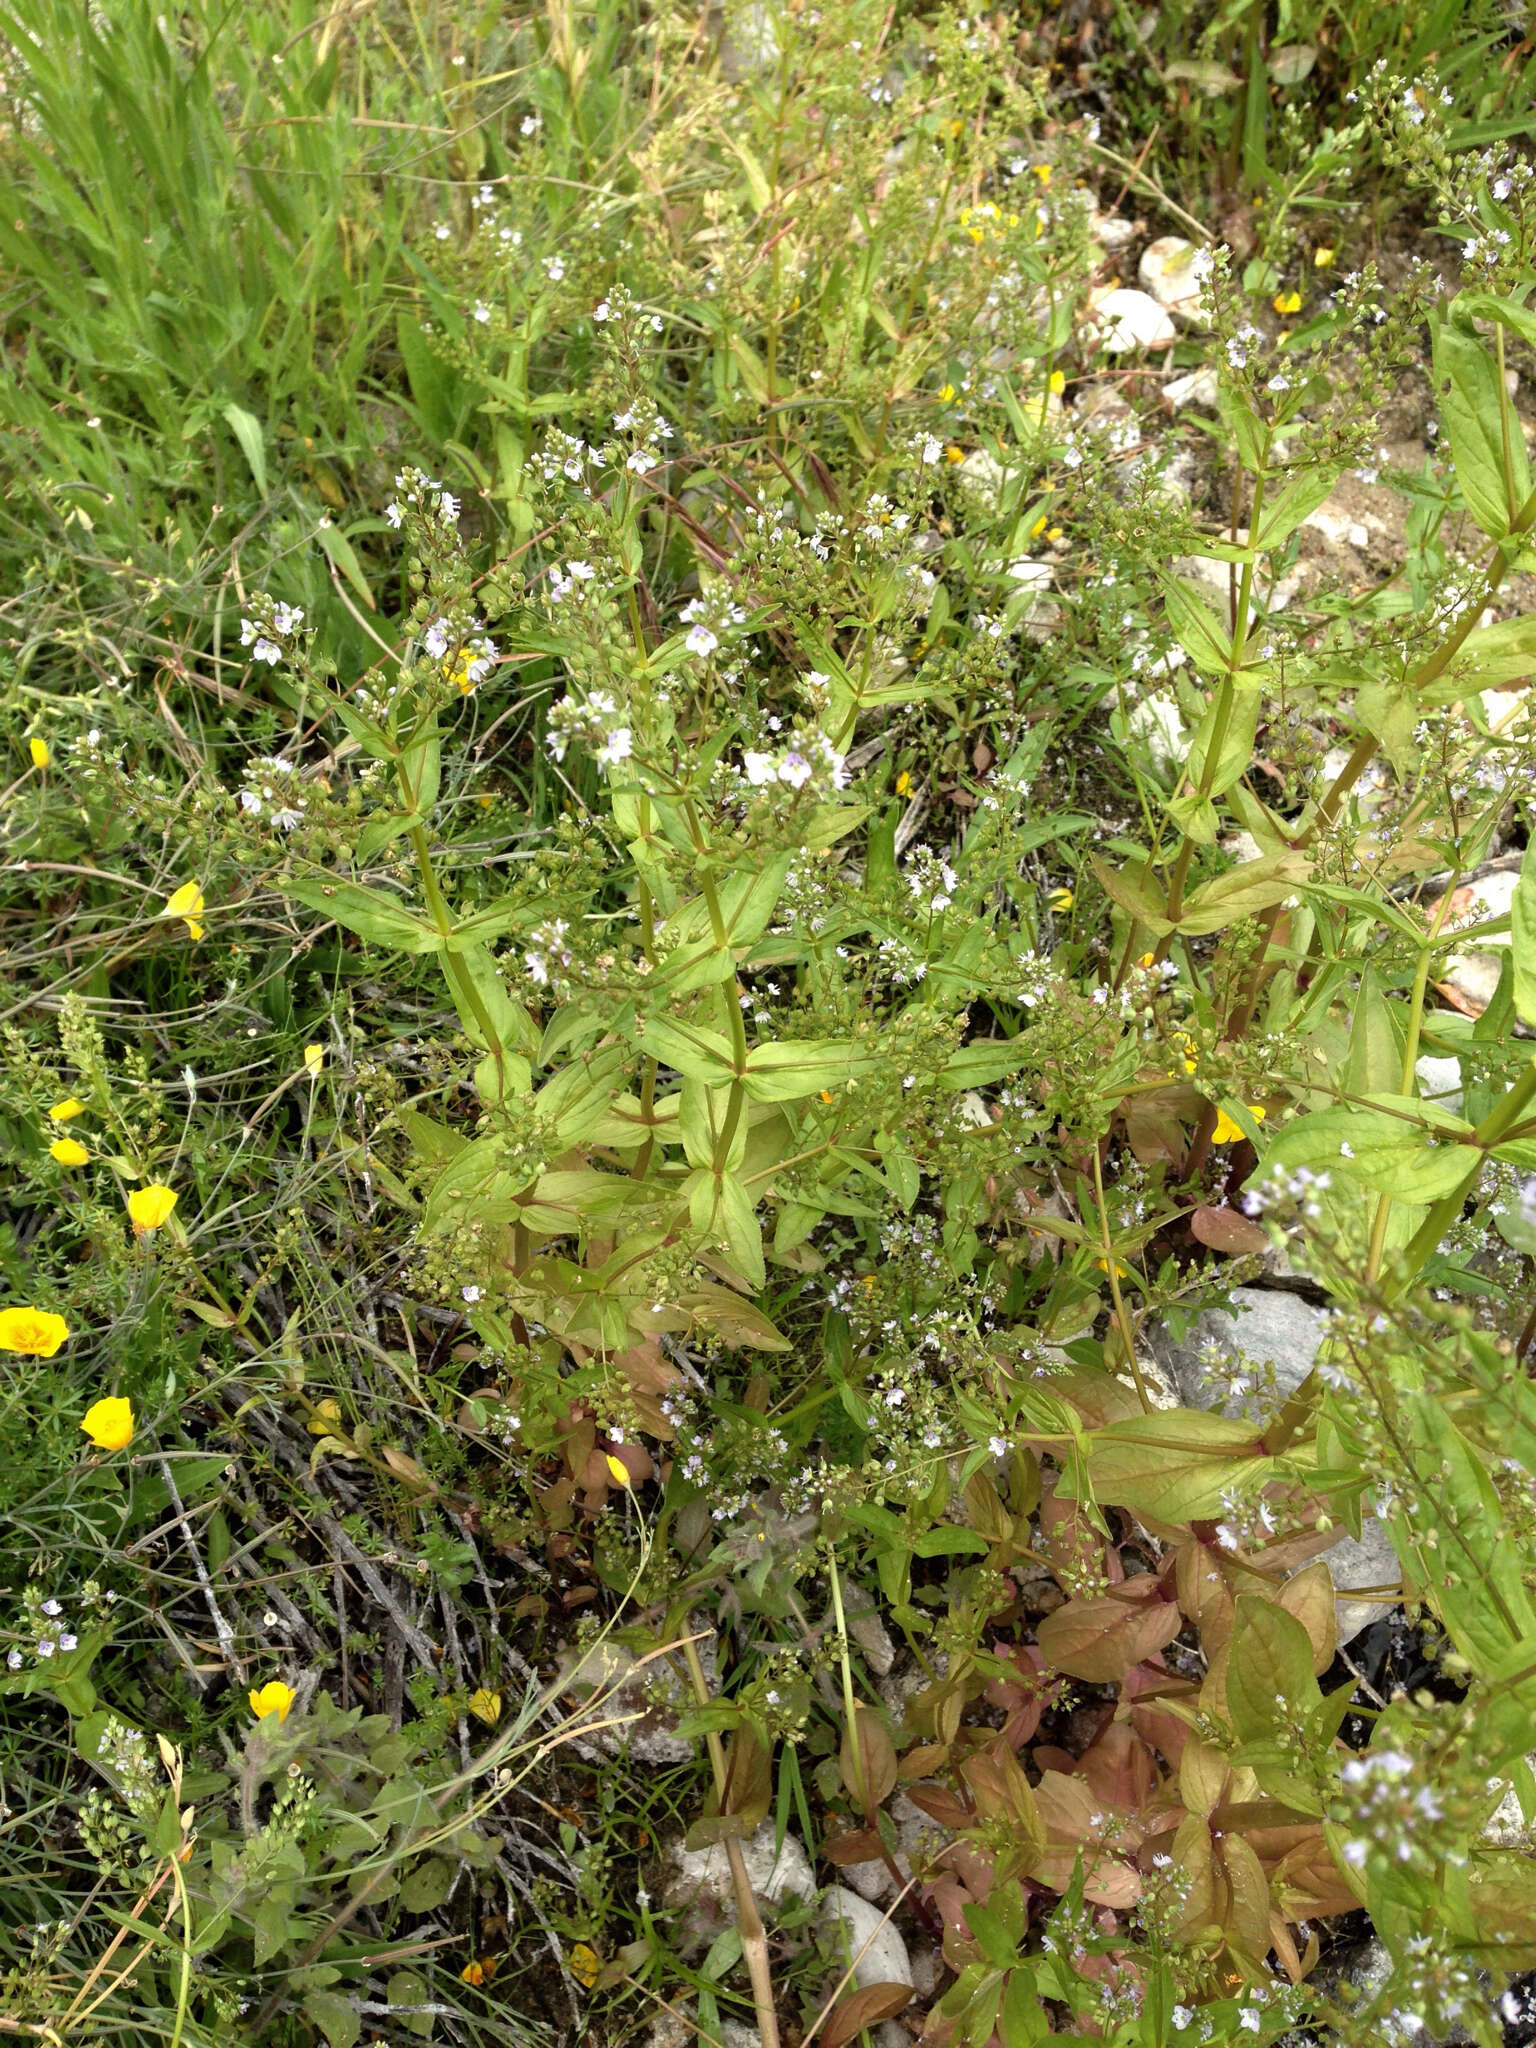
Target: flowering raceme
[(32, 1332), (109, 1423)]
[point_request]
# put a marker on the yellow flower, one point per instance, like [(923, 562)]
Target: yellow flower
[(1288, 302), (1042, 172), (326, 1413), (69, 1152), (109, 1423), (149, 1207), (903, 784), (1038, 528), (1121, 1269), (947, 393), (1055, 533), (185, 903), (1057, 381), (314, 1060), (585, 1967), (1227, 1132), (38, 749), (34, 1332), (61, 1112), (480, 1970), (954, 454), (1147, 960), (1060, 899), (1322, 259), (485, 1705), (273, 1698), (459, 674), (618, 1471)]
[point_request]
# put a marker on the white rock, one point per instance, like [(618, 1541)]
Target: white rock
[(983, 474), (1155, 724), (750, 45), (873, 1880), (1166, 270), (737, 2034), (852, 1924), (638, 1702), (706, 1873), (1475, 974), (1110, 231), (1440, 1081), (1129, 320), (1271, 1329), (1198, 389)]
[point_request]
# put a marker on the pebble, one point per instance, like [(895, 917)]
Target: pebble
[(1199, 389), (845, 1918), (1167, 273), (705, 1874), (1129, 320)]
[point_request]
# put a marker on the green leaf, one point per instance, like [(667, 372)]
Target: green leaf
[(1290, 507), (436, 388), (1176, 1466), (427, 1885), (786, 1073), (336, 2017), (368, 912), (246, 429), (986, 1061), (1476, 413), (1269, 1669), (1194, 626), (1236, 750), (692, 1049), (341, 555), (1522, 930), (1243, 891)]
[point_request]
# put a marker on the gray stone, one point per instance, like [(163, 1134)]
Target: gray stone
[(851, 1925), (873, 1880), (1440, 1081), (705, 1874), (1227, 1359), (750, 46), (1366, 1560)]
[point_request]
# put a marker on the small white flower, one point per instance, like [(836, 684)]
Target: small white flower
[(46, 1649), (554, 268), (287, 818), (618, 747), (795, 770), (530, 125), (640, 462), (759, 769), (392, 513), (435, 639), (601, 311), (482, 312), (442, 231), (51, 1607), (67, 1642), (471, 1294), (933, 448), (701, 641), (13, 1659), (286, 618)]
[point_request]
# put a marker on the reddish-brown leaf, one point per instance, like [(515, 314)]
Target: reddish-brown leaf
[(1227, 1230), (1102, 1638), (859, 1845), (861, 2009)]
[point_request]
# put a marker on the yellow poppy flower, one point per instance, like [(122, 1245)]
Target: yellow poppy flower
[(109, 1423), (33, 1332), (947, 393), (618, 1471), (61, 1112), (149, 1207), (69, 1152), (1038, 528), (1121, 1269), (326, 1415), (273, 1698), (903, 784), (1057, 381), (1042, 172), (1227, 1132), (1060, 900), (38, 749), (585, 1966), (185, 903), (1322, 259), (1288, 302), (485, 1705), (314, 1061)]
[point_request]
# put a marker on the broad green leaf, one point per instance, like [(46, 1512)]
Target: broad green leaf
[(786, 1073), (1296, 502), (369, 912), (246, 429), (1243, 891), (1176, 1466), (1194, 625), (1269, 1676), (1236, 747), (1476, 414), (1522, 928)]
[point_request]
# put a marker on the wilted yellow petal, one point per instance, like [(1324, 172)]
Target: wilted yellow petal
[(485, 1705), (618, 1472), (314, 1060), (585, 1966)]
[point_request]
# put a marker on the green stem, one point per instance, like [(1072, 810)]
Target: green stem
[(1410, 1065), (1493, 1130)]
